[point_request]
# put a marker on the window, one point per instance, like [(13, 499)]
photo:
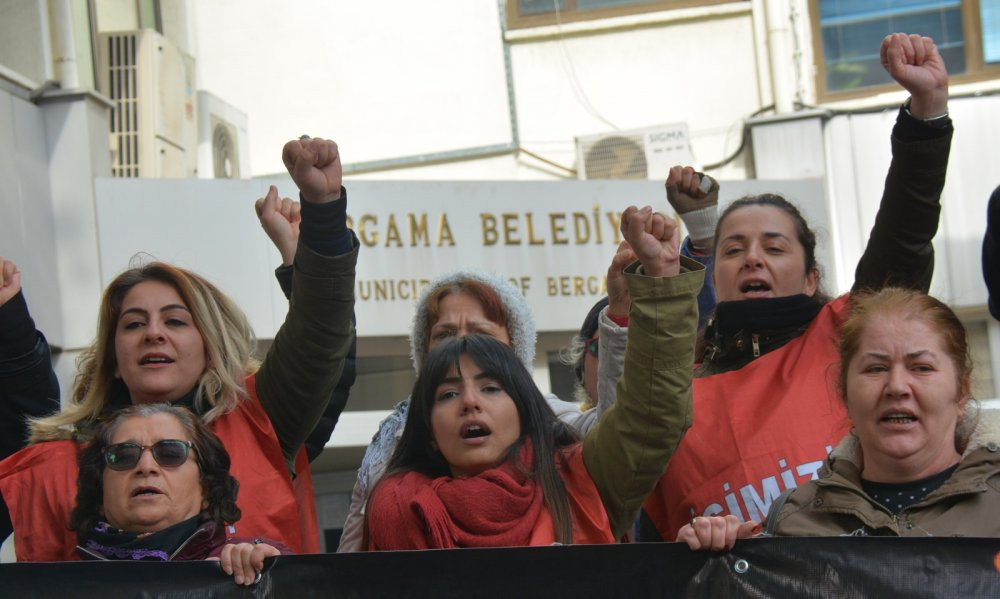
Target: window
[(967, 33), (534, 13)]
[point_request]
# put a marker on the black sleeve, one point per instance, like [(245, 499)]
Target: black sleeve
[(284, 275), (899, 250), (324, 226), (28, 385), (317, 439), (991, 253)]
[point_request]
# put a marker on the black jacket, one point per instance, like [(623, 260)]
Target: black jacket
[(899, 252), (338, 401)]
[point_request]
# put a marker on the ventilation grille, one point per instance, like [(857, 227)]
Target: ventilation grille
[(225, 152), (122, 65), (646, 153), (615, 157)]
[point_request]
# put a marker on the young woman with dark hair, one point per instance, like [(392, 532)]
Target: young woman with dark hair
[(483, 461)]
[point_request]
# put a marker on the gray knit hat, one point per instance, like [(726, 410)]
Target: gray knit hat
[(520, 321)]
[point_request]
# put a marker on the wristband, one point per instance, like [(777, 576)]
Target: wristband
[(906, 108), (621, 321), (701, 223)]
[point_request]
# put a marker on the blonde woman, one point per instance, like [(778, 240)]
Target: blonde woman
[(166, 334)]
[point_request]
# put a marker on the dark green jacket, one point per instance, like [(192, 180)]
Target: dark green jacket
[(304, 363), (628, 450)]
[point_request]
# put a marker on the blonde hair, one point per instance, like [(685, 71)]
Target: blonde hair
[(225, 330)]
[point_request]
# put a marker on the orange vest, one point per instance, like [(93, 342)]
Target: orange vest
[(590, 519), (38, 484), (757, 431)]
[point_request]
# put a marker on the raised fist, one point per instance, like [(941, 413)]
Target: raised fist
[(688, 190), (914, 62), (695, 198), (655, 240), (280, 218), (314, 165), (619, 299)]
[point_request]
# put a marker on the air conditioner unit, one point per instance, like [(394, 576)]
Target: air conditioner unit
[(223, 147), (646, 153), (153, 128)]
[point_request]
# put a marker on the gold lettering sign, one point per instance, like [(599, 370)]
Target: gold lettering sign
[(407, 290), (511, 227), (576, 286), (381, 290)]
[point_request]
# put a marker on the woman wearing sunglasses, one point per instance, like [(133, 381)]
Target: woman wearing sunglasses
[(155, 485), (165, 334)]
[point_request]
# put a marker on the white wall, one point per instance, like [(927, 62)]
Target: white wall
[(384, 78), (390, 78), (859, 153), (699, 71), (27, 232), (24, 39), (49, 155)]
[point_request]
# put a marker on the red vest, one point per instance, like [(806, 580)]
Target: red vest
[(38, 484), (590, 520), (757, 431)]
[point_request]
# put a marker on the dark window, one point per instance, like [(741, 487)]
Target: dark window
[(967, 33)]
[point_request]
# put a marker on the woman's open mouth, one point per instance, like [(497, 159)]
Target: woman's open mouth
[(755, 289), (474, 432), (898, 418), (152, 359)]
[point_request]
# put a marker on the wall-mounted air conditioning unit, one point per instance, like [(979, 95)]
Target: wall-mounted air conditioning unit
[(153, 128), (223, 147), (646, 153)]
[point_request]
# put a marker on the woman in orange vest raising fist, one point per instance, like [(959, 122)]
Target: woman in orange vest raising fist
[(765, 413)]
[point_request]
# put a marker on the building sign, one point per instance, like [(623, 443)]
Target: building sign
[(554, 240)]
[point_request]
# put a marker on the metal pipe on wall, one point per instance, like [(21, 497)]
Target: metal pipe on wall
[(780, 44), (65, 51)]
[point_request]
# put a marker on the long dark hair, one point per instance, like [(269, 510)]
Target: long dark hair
[(218, 486), (416, 452)]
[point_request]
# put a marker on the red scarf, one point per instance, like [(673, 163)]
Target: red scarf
[(496, 508)]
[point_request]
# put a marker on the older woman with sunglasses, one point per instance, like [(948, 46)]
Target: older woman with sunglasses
[(155, 485)]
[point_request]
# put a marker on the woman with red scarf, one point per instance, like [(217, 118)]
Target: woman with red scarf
[(483, 461)]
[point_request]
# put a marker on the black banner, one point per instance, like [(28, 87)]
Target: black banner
[(771, 567)]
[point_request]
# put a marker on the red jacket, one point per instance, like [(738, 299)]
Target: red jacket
[(757, 431), (38, 484)]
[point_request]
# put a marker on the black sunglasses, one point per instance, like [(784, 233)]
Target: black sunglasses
[(169, 453)]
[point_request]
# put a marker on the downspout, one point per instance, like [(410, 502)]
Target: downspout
[(65, 52), (508, 70), (780, 44)]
